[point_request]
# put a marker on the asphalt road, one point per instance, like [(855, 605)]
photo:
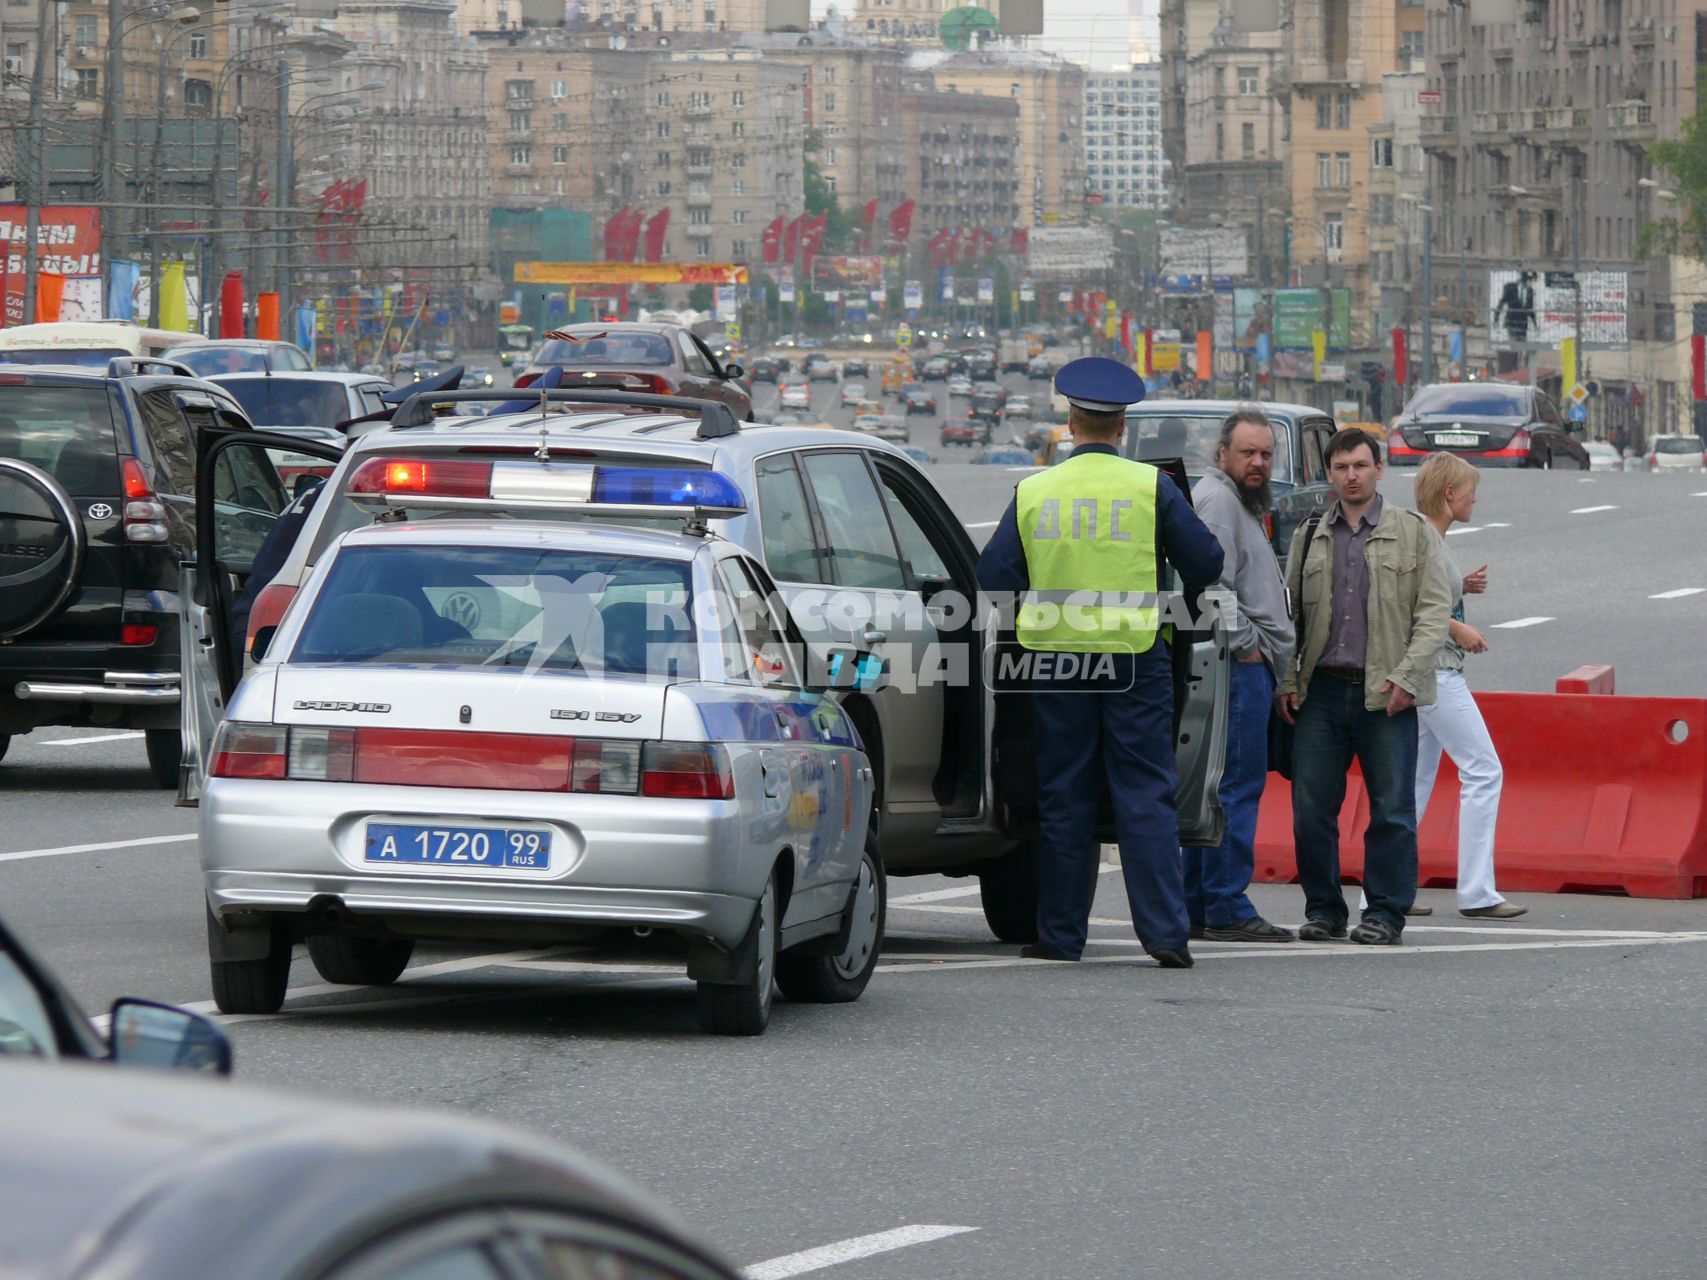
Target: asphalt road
[(1489, 1100)]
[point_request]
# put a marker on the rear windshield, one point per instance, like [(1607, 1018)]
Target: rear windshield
[(604, 347), (459, 606), (1678, 444), (82, 357), (1467, 400), (205, 362), (66, 431), (291, 402), (1195, 438)]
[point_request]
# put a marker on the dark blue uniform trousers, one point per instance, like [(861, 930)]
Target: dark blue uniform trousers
[(1124, 733)]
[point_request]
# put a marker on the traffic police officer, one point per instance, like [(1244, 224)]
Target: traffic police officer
[(1097, 523)]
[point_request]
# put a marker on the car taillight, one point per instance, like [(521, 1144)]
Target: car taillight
[(438, 477), (605, 766), (322, 755), (249, 751), (136, 633), (525, 380), (1653, 459), (1519, 442), (268, 609), (686, 771), (144, 515)]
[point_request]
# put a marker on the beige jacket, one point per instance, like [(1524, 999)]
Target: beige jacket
[(1410, 605)]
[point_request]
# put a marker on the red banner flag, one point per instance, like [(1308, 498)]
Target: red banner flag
[(656, 229), (231, 305), (50, 296), (1401, 358), (267, 317), (1020, 241), (870, 213), (901, 222), (791, 238), (771, 240), (613, 234), (631, 236)]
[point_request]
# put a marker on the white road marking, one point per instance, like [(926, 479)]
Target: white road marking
[(1024, 468), (1497, 524), (1679, 593), (1469, 528), (1516, 623), (833, 1255), (1589, 511), (979, 524), (1702, 494), (79, 742), (24, 854)]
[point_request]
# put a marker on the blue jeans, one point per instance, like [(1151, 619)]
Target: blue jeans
[(1334, 727), (1120, 740), (1216, 879)]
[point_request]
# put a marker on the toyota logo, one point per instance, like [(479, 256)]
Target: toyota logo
[(100, 511)]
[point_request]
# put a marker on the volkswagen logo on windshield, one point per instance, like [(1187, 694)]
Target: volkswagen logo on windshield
[(100, 511)]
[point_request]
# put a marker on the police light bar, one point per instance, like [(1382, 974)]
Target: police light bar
[(715, 419), (608, 492)]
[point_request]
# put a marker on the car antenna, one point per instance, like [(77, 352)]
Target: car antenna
[(543, 453)]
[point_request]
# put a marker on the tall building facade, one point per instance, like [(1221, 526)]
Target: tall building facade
[(959, 160), (1124, 162), (1538, 158)]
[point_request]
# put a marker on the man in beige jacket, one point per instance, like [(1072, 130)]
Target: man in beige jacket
[(1372, 604)]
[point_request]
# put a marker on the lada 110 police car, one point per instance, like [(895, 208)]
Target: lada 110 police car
[(549, 731)]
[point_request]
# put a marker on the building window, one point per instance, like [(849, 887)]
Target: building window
[(198, 44), (738, 130), (830, 156), (560, 155), (702, 249), (198, 94), (664, 98), (88, 84), (1342, 169), (1410, 47), (663, 159), (521, 153), (829, 100), (1248, 139), (518, 90), (86, 31), (1342, 111), (738, 188), (1324, 111), (738, 98), (663, 188), (663, 128), (521, 121), (1324, 169), (559, 120), (1247, 81), (559, 89), (1220, 142), (739, 248), (738, 217), (1381, 153), (699, 217), (1333, 235)]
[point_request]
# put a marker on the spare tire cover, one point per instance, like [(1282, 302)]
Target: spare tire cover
[(41, 547)]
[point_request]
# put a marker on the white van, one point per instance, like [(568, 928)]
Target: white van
[(84, 342)]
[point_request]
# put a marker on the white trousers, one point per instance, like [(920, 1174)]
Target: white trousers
[(1453, 724)]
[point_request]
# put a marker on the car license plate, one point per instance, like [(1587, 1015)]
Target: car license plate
[(1457, 440), (507, 848)]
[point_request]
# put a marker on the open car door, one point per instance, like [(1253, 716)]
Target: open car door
[(240, 496)]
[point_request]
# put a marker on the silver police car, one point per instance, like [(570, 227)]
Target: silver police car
[(543, 731)]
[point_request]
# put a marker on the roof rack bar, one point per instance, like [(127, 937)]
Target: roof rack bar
[(715, 419), (131, 366)]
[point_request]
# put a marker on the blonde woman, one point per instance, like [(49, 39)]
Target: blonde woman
[(1446, 495)]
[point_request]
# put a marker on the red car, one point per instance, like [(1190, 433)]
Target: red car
[(661, 359), (966, 431)]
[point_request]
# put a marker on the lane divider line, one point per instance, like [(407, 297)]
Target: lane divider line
[(1678, 594), (1589, 511), (1516, 623), (79, 742), (851, 1250), (25, 854)]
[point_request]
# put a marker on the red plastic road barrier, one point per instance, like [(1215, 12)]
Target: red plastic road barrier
[(1593, 678), (1601, 795)]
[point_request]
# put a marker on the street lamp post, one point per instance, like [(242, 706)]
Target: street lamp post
[(1426, 208)]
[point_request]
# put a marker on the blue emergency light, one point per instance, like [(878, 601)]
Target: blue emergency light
[(666, 487)]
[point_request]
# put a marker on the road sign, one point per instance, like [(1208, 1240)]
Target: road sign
[(732, 331), (1428, 98), (903, 335), (1578, 413), (1578, 394)]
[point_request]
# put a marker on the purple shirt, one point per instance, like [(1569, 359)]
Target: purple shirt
[(1348, 627)]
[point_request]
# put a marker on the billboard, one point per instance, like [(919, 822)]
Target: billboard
[(630, 273), (848, 274), (1069, 251), (1199, 253), (68, 243), (1540, 307), (913, 295), (1290, 316)]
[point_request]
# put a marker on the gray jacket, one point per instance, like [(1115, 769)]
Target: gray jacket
[(1251, 592)]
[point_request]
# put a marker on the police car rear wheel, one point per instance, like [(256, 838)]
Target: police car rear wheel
[(1008, 888), (360, 962), (165, 752), (252, 986), (744, 1008), (842, 978)]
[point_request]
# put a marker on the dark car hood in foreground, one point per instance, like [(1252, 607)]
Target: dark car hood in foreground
[(131, 1175)]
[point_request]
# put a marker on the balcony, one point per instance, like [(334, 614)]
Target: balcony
[(1498, 123), (1631, 123), (1438, 132), (1641, 31), (1568, 124), (698, 111), (699, 169), (698, 199)]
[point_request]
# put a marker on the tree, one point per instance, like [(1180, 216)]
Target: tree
[(1684, 160), (841, 229), (701, 298)]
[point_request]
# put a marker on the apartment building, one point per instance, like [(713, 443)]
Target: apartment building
[(1124, 163), (851, 96), (1538, 157), (960, 154)]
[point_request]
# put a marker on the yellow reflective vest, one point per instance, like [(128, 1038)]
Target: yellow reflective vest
[(1088, 526)]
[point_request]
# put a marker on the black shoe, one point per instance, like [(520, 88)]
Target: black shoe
[(1197, 933), (1037, 951), (1414, 910), (1173, 957), (1375, 932), (1314, 930), (1256, 929)]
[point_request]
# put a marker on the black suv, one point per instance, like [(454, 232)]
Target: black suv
[(97, 510)]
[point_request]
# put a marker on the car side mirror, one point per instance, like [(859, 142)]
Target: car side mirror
[(733, 371), (262, 642), (164, 1037)]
